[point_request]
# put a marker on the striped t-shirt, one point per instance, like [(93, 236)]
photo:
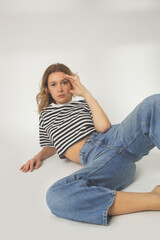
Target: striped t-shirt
[(62, 125)]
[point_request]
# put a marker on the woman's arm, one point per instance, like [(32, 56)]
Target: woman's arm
[(101, 121), (35, 162), (46, 152)]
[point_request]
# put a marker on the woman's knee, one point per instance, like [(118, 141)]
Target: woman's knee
[(59, 197), (56, 201), (149, 108), (152, 100)]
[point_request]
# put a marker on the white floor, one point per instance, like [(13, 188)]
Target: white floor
[(25, 215)]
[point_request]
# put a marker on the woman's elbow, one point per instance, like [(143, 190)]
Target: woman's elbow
[(104, 128)]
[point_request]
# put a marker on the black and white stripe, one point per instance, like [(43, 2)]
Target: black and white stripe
[(62, 125)]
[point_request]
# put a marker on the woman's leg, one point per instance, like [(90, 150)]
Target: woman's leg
[(129, 202), (139, 132), (86, 196), (92, 194)]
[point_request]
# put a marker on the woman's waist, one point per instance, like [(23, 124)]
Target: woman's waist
[(72, 152)]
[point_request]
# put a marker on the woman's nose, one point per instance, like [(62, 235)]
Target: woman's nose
[(60, 89)]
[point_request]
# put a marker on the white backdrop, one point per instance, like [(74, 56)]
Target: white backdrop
[(114, 45)]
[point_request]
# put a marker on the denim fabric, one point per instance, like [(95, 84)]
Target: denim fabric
[(108, 161)]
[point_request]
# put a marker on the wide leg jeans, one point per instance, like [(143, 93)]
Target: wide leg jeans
[(108, 161)]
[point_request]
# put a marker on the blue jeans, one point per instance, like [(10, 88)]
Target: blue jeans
[(108, 161)]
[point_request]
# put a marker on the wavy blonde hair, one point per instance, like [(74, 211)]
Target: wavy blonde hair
[(44, 98)]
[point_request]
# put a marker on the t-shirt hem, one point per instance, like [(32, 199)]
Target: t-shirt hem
[(62, 156)]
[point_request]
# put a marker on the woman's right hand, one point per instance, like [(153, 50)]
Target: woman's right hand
[(31, 164)]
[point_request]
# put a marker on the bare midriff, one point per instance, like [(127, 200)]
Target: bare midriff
[(72, 152)]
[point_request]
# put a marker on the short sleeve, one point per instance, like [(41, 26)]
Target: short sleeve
[(88, 109), (44, 139)]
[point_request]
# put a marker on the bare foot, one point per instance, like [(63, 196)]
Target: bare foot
[(156, 192)]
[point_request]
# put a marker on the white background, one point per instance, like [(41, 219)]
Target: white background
[(114, 45)]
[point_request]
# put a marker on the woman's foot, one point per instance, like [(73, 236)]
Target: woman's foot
[(156, 193)]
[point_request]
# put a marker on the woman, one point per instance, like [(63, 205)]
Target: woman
[(81, 131)]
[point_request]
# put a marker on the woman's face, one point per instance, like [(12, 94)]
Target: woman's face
[(59, 87)]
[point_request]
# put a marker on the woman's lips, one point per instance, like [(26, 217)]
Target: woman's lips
[(61, 96)]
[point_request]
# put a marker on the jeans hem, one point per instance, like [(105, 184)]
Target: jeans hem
[(107, 218)]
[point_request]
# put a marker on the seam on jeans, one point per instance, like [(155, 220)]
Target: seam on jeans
[(105, 145), (84, 182), (132, 157), (108, 160), (135, 136), (82, 151), (79, 180), (99, 154), (131, 141), (84, 147), (145, 123)]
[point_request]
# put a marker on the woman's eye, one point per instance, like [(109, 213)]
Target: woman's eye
[(53, 84), (65, 82)]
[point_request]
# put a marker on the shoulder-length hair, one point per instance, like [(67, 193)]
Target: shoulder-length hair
[(44, 98)]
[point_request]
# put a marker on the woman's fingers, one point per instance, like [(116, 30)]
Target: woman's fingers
[(76, 75), (26, 167), (72, 78), (22, 167), (30, 165), (38, 164)]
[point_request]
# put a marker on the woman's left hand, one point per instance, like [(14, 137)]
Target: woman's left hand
[(78, 88)]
